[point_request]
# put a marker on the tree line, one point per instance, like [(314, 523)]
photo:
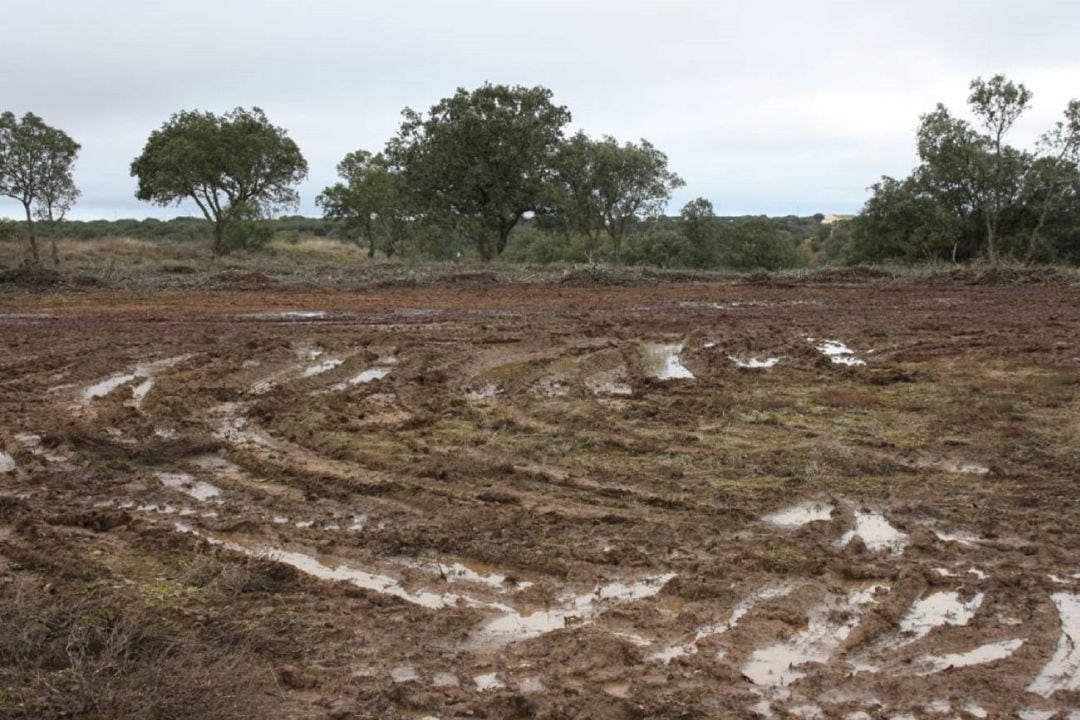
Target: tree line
[(491, 172)]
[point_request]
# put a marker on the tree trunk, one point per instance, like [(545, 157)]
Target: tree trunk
[(219, 238), (483, 244), (55, 252), (371, 246), (34, 255), (991, 247)]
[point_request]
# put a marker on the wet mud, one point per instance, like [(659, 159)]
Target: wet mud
[(626, 502)]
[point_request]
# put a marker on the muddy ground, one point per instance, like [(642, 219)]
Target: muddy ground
[(475, 499)]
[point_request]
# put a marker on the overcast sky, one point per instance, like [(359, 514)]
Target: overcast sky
[(767, 107)]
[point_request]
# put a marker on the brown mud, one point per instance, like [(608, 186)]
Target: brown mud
[(477, 500)]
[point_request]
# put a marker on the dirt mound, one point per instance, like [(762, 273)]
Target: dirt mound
[(252, 280), (855, 273), (1010, 275)]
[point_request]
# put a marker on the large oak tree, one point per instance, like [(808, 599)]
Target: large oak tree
[(235, 166), (482, 156)]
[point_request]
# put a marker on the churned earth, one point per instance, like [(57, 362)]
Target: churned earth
[(476, 499)]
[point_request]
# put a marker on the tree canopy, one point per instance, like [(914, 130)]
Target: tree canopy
[(36, 163), (482, 156), (602, 186), (973, 194), (235, 167), (370, 200)]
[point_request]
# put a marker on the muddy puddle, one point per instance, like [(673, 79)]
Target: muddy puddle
[(799, 515), (1063, 670), (198, 489), (7, 463), (753, 363), (937, 610), (837, 352), (287, 315), (828, 625), (991, 652), (662, 361), (143, 371), (876, 533), (572, 610), (377, 372)]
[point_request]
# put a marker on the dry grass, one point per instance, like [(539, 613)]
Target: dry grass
[(97, 654)]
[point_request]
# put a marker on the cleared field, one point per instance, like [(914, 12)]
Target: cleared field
[(500, 500)]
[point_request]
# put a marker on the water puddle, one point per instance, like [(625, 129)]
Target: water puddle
[(575, 611), (459, 572), (378, 372), (754, 363), (668, 654), (7, 463), (201, 491), (876, 533), (662, 362), (958, 536), (320, 367), (531, 686), (1036, 714), (404, 673), (488, 681), (837, 352), (445, 680), (990, 652), (106, 386), (34, 444), (287, 315), (937, 610), (799, 515), (376, 582), (144, 371), (964, 468), (828, 626), (769, 592), (1063, 670)]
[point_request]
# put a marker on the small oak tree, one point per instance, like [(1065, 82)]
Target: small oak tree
[(235, 167), (370, 200), (600, 186), (633, 182), (36, 162)]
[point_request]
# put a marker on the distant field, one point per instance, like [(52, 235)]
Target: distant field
[(133, 264)]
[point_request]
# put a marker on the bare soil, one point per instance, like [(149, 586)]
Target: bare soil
[(476, 499)]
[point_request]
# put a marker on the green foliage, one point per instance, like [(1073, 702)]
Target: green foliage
[(9, 230), (371, 202), (235, 166), (660, 246), (972, 194), (702, 234), (36, 162), (246, 234), (482, 156), (759, 244)]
